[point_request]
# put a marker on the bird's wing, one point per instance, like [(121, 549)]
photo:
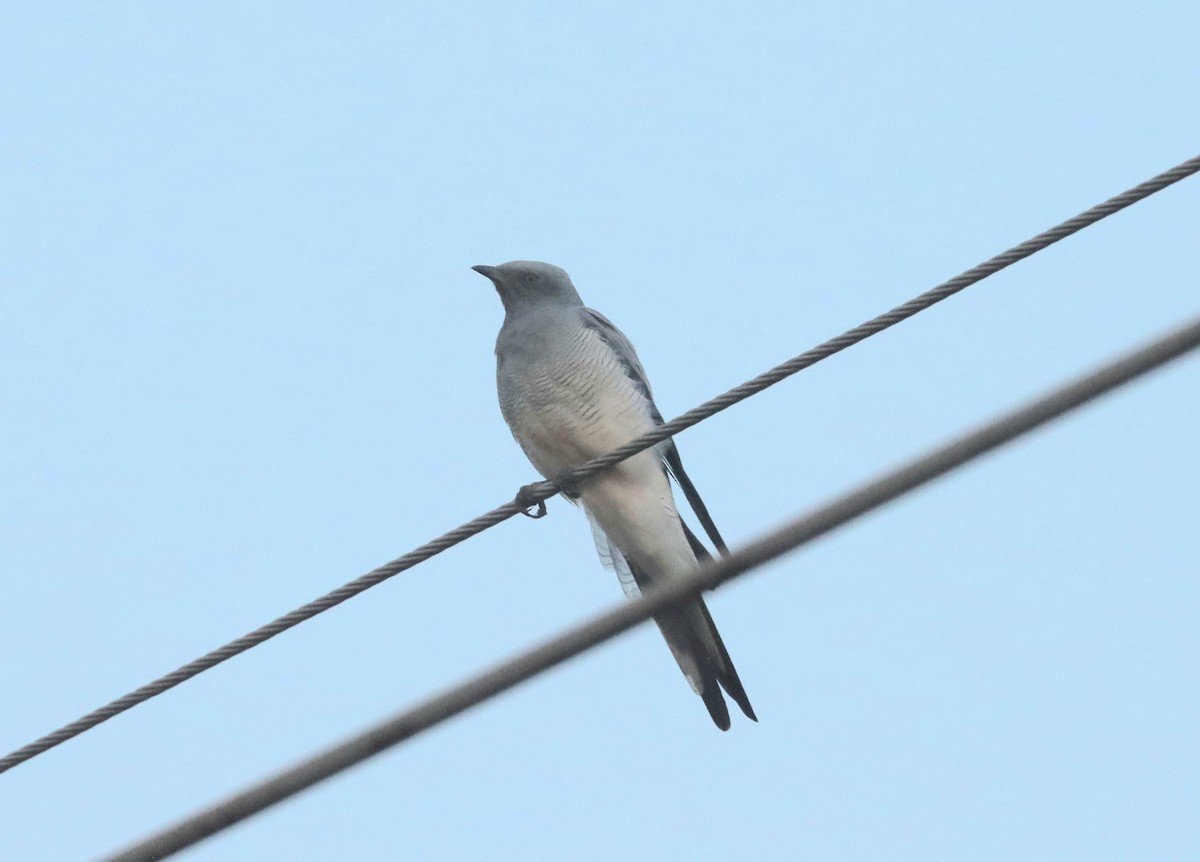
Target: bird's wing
[(623, 349)]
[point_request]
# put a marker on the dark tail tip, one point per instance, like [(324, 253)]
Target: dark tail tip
[(723, 667), (715, 701), (733, 685)]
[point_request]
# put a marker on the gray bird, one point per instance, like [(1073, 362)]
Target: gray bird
[(572, 388)]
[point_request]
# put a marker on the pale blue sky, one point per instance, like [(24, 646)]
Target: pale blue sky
[(243, 359)]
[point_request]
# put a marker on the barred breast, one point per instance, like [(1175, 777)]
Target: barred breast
[(566, 397)]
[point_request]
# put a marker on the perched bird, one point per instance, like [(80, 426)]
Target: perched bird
[(572, 388)]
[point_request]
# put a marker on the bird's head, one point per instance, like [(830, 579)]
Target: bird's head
[(530, 284)]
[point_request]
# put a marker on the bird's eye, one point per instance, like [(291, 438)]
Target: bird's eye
[(531, 277)]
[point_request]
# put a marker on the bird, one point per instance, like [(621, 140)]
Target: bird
[(571, 388)]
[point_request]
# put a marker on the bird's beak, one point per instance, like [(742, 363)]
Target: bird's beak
[(489, 272)]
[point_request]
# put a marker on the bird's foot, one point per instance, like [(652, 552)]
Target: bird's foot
[(527, 498)]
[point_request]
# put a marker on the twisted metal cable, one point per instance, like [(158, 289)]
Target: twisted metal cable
[(541, 491), (600, 628)]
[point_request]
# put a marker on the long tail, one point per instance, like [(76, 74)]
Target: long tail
[(701, 654), (697, 646), (724, 671), (689, 631)]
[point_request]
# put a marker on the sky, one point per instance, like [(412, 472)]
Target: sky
[(243, 360)]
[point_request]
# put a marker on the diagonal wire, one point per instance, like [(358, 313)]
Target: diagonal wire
[(600, 628), (542, 491)]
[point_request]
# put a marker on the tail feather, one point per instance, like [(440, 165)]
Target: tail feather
[(688, 644), (701, 655), (715, 701), (688, 630), (726, 673)]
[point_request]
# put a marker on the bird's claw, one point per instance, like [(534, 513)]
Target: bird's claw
[(527, 498)]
